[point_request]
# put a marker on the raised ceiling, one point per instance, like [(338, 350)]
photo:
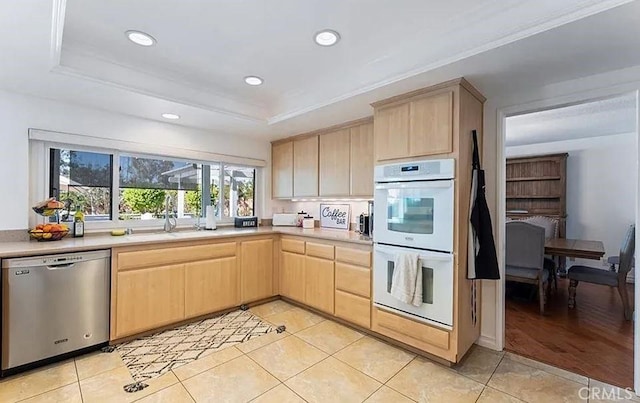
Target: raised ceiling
[(604, 117), (204, 50)]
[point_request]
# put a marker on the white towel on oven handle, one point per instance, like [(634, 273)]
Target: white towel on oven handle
[(406, 283)]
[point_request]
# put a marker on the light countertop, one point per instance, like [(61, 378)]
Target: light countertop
[(105, 241)]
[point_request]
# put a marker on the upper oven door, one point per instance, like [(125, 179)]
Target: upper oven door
[(437, 285), (415, 214)]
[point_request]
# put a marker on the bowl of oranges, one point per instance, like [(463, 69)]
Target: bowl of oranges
[(49, 232)]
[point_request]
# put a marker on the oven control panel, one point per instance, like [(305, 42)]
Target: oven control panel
[(416, 170)]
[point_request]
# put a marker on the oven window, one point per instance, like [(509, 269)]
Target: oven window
[(409, 213), (427, 282)]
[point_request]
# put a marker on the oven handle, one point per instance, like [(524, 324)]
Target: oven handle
[(415, 185), (439, 257)]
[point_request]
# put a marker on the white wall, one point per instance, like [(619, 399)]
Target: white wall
[(567, 92), (313, 207), (18, 113), (601, 180)]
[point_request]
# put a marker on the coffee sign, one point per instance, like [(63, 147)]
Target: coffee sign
[(335, 216)]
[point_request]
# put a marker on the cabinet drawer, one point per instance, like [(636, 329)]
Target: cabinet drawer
[(292, 245), (353, 279), (353, 308), (354, 256), (408, 331), (165, 256), (320, 250)]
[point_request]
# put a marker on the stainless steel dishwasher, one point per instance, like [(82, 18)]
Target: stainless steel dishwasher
[(53, 305)]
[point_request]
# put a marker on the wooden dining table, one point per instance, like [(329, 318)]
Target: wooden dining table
[(576, 248)]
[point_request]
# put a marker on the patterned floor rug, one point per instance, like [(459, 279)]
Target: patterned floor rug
[(152, 356)]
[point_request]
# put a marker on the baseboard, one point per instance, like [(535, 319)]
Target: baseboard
[(488, 342)]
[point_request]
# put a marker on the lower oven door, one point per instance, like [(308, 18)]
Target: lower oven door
[(437, 285)]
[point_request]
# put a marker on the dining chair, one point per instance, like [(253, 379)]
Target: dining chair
[(525, 261), (551, 227), (618, 279)]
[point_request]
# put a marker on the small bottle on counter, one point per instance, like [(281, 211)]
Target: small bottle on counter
[(78, 224)]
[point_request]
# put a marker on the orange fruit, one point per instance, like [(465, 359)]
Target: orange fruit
[(47, 228)]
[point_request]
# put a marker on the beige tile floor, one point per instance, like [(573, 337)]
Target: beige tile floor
[(315, 360)]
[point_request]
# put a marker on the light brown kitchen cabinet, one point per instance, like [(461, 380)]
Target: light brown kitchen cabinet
[(335, 163), (292, 275), (305, 167), (282, 170), (420, 125), (256, 270), (361, 160), (431, 125), (149, 298), (210, 285), (319, 280), (391, 128)]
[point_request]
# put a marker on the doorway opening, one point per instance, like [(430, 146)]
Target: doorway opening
[(571, 178)]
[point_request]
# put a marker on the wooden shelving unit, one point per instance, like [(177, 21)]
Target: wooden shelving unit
[(536, 185)]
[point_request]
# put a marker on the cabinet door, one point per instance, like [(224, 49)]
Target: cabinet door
[(149, 298), (256, 270), (210, 286), (282, 170), (391, 129), (319, 286), (305, 167), (431, 125), (361, 160), (292, 276), (334, 163)]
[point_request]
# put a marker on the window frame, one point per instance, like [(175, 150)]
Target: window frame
[(40, 185)]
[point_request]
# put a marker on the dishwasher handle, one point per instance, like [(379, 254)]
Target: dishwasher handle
[(60, 266)]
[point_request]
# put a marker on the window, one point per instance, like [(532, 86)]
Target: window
[(82, 181), (145, 184), (114, 187), (238, 191)]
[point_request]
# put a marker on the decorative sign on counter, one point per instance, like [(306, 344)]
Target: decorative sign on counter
[(335, 216)]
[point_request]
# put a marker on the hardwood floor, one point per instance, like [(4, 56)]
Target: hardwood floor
[(593, 339)]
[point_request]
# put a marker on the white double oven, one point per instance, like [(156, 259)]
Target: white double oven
[(414, 212)]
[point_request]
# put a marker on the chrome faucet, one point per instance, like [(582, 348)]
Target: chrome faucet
[(170, 223)]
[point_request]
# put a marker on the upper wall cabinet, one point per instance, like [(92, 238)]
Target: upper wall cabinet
[(361, 160), (305, 167), (431, 125), (415, 126), (334, 162), (392, 132), (282, 170)]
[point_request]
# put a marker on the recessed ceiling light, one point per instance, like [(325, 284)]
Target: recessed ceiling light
[(253, 80), (171, 116), (327, 37), (140, 38)]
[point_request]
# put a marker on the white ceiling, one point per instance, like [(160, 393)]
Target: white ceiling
[(387, 48), (593, 119)]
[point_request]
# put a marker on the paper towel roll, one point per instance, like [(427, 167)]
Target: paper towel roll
[(210, 218)]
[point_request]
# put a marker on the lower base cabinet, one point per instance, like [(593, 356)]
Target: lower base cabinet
[(256, 271), (319, 284), (149, 298), (210, 285), (292, 281), (353, 308)]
